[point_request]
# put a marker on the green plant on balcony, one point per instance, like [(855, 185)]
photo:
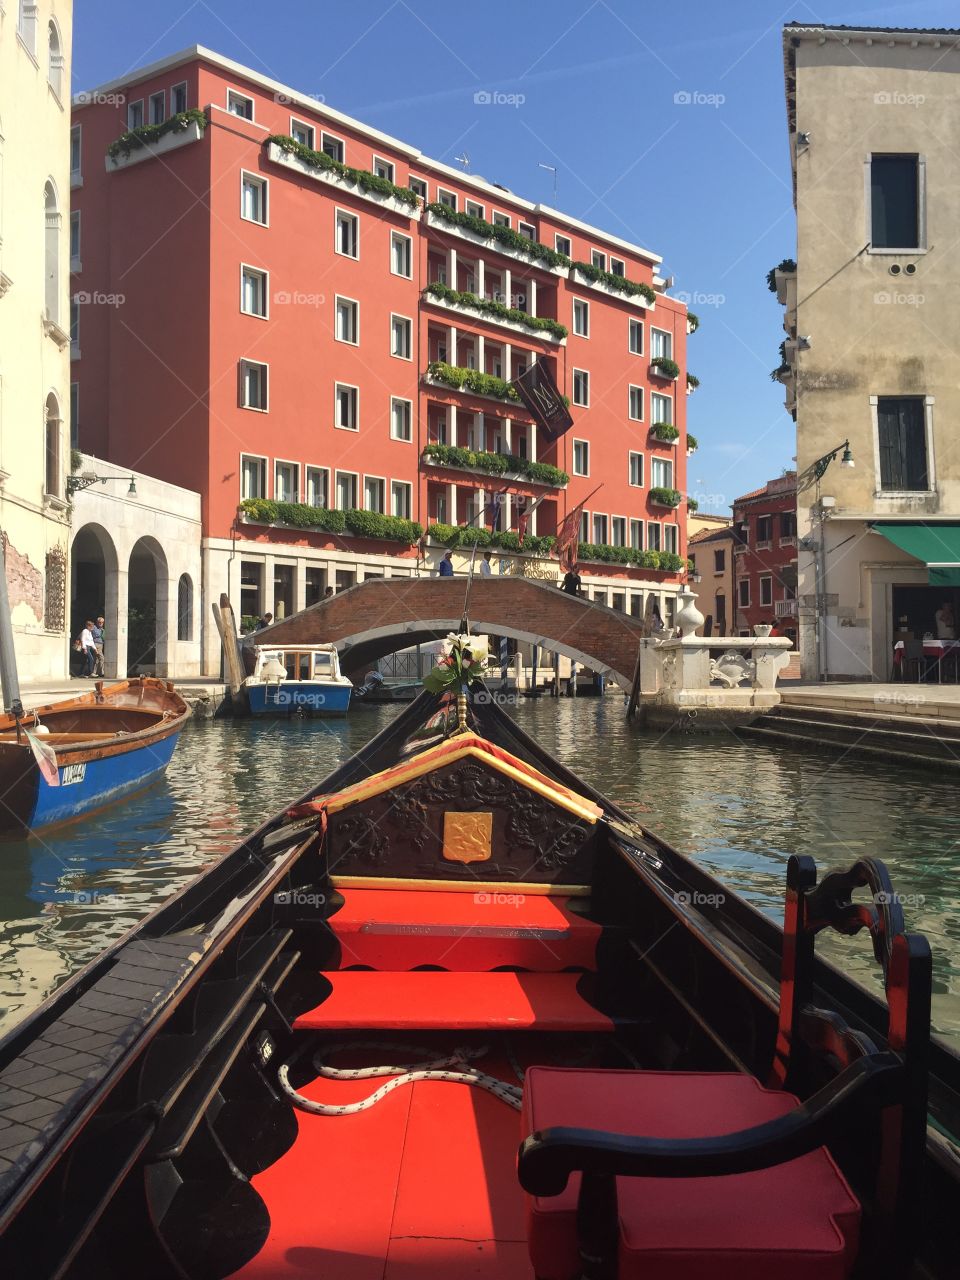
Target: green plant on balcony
[(693, 505), (693, 322), (364, 179), (784, 367), (504, 236), (452, 536), (362, 524), (632, 288), (487, 306), (496, 463), (481, 384), (693, 444), (665, 497), (787, 265), (693, 381), (133, 139), (665, 367), (665, 431)]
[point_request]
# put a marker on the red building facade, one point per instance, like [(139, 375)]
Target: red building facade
[(277, 304), (765, 557)]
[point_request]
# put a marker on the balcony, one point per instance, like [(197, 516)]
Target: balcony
[(155, 140), (476, 231), (785, 609), (664, 433), (319, 167), (496, 466), (740, 548), (471, 382), (664, 368), (323, 520), (475, 308), (662, 497), (764, 544), (788, 540), (618, 288)]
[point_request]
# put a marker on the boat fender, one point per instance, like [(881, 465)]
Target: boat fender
[(41, 730)]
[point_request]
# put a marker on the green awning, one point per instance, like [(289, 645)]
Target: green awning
[(937, 545)]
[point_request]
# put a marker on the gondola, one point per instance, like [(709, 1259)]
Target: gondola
[(322, 1057), (69, 758)]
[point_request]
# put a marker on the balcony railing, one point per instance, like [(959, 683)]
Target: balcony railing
[(785, 609), (506, 466)]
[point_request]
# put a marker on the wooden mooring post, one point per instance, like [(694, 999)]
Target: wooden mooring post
[(233, 667)]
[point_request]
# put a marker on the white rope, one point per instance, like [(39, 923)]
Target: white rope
[(403, 1075)]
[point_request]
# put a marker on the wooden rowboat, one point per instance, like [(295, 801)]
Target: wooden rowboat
[(105, 743), (692, 1090)]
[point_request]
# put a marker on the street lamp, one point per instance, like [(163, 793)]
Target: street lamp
[(76, 483), (813, 474)]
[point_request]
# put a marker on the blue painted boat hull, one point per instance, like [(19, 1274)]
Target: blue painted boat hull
[(304, 698)]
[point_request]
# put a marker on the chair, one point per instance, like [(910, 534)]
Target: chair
[(685, 1175), (912, 655)]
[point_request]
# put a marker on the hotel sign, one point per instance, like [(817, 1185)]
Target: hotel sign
[(538, 391)]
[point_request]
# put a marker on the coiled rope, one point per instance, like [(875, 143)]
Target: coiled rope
[(463, 1073)]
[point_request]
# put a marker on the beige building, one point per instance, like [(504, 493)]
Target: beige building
[(35, 41), (871, 354), (710, 542)]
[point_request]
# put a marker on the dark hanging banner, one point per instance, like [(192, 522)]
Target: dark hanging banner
[(538, 391)]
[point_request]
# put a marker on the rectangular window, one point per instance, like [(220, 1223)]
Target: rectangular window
[(598, 259), (347, 327), (600, 529), (401, 255), (373, 494), (661, 344), (581, 317), (253, 198), (653, 535), (346, 491), (333, 146), (902, 439), (473, 209), (584, 534), (636, 534), (618, 531), (563, 245), (178, 98), (635, 403), (253, 477), (347, 234), (581, 458), (253, 385), (286, 482), (895, 201), (238, 104), (719, 561), (635, 338), (302, 133), (400, 499), (581, 387), (661, 473), (671, 538), (74, 329), (253, 292), (158, 107), (764, 532), (636, 470), (345, 407), (316, 490), (447, 198), (788, 525), (743, 593), (527, 231), (418, 186), (661, 408), (618, 267), (384, 169), (501, 219), (135, 114), (401, 419), (401, 337), (75, 240), (766, 591), (76, 162)]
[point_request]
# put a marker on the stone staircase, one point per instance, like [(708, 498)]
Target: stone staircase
[(911, 737)]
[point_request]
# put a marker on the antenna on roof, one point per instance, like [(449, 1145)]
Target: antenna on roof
[(552, 168), (464, 160)]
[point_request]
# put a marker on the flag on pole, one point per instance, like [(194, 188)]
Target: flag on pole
[(568, 537), (496, 514), (45, 757), (523, 516), (538, 392)]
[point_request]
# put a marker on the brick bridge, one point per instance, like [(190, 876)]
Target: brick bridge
[(382, 615)]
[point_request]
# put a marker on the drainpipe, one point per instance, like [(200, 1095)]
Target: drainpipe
[(8, 658)]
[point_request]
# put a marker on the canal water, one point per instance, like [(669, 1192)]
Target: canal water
[(738, 807)]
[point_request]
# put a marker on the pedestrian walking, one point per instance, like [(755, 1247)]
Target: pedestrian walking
[(97, 632), (446, 566), (88, 649)]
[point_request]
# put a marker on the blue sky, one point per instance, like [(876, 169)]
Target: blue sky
[(594, 88)]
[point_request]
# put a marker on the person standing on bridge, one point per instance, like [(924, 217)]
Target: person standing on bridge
[(486, 568), (571, 581), (446, 566)]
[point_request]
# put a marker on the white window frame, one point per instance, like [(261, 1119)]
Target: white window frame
[(580, 302), (624, 530), (637, 524), (635, 326), (332, 137), (655, 465), (654, 524), (443, 191), (407, 487), (264, 367), (311, 129), (336, 488), (285, 462), (598, 253), (346, 214), (421, 182), (264, 473), (623, 273), (76, 175), (245, 97), (264, 184), (265, 283), (151, 98), (657, 355), (181, 84), (325, 473), (408, 241), (337, 299), (394, 401), (631, 388), (635, 484), (395, 315), (922, 245), (605, 540), (527, 230), (573, 456), (667, 400), (474, 209), (387, 164), (674, 537), (137, 102), (76, 258), (580, 404), (768, 579), (928, 403), (382, 481), (741, 603), (501, 219), (346, 386), (557, 238)]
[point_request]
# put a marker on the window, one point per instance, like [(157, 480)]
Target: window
[(27, 25), (636, 534), (636, 470), (635, 337), (76, 163), (74, 329), (473, 209), (401, 419), (51, 482), (764, 531), (178, 98), (253, 387), (253, 477), (721, 613), (743, 593), (581, 458), (661, 408), (253, 292), (401, 255), (346, 491), (599, 529), (719, 561), (766, 591), (185, 607), (345, 409), (562, 245), (581, 387), (303, 133), (401, 337), (788, 525), (51, 252), (902, 441), (671, 538), (635, 403), (54, 60), (135, 114), (501, 219), (661, 344), (373, 490), (584, 534), (347, 327), (598, 259), (653, 536), (617, 267), (253, 198), (418, 186), (383, 169), (158, 107), (446, 198), (74, 414), (347, 234), (618, 531), (895, 201), (661, 473), (581, 317), (286, 482), (333, 146), (400, 499), (75, 240), (238, 104), (317, 480), (527, 231)]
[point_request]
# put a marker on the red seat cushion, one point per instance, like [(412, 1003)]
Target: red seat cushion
[(795, 1221)]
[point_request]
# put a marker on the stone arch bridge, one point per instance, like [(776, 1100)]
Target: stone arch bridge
[(381, 615)]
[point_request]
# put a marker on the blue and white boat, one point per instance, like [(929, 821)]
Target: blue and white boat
[(302, 680)]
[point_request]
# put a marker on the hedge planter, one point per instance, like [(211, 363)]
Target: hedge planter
[(664, 367), (693, 444), (320, 167), (613, 286), (500, 239), (469, 304), (156, 139), (352, 523), (661, 497), (471, 380), (453, 536), (509, 466), (665, 432)]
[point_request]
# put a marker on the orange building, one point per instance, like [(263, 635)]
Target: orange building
[(315, 326)]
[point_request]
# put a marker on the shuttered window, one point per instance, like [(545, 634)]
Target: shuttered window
[(895, 202), (903, 445)]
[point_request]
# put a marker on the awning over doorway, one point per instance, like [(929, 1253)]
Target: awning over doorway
[(937, 545)]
